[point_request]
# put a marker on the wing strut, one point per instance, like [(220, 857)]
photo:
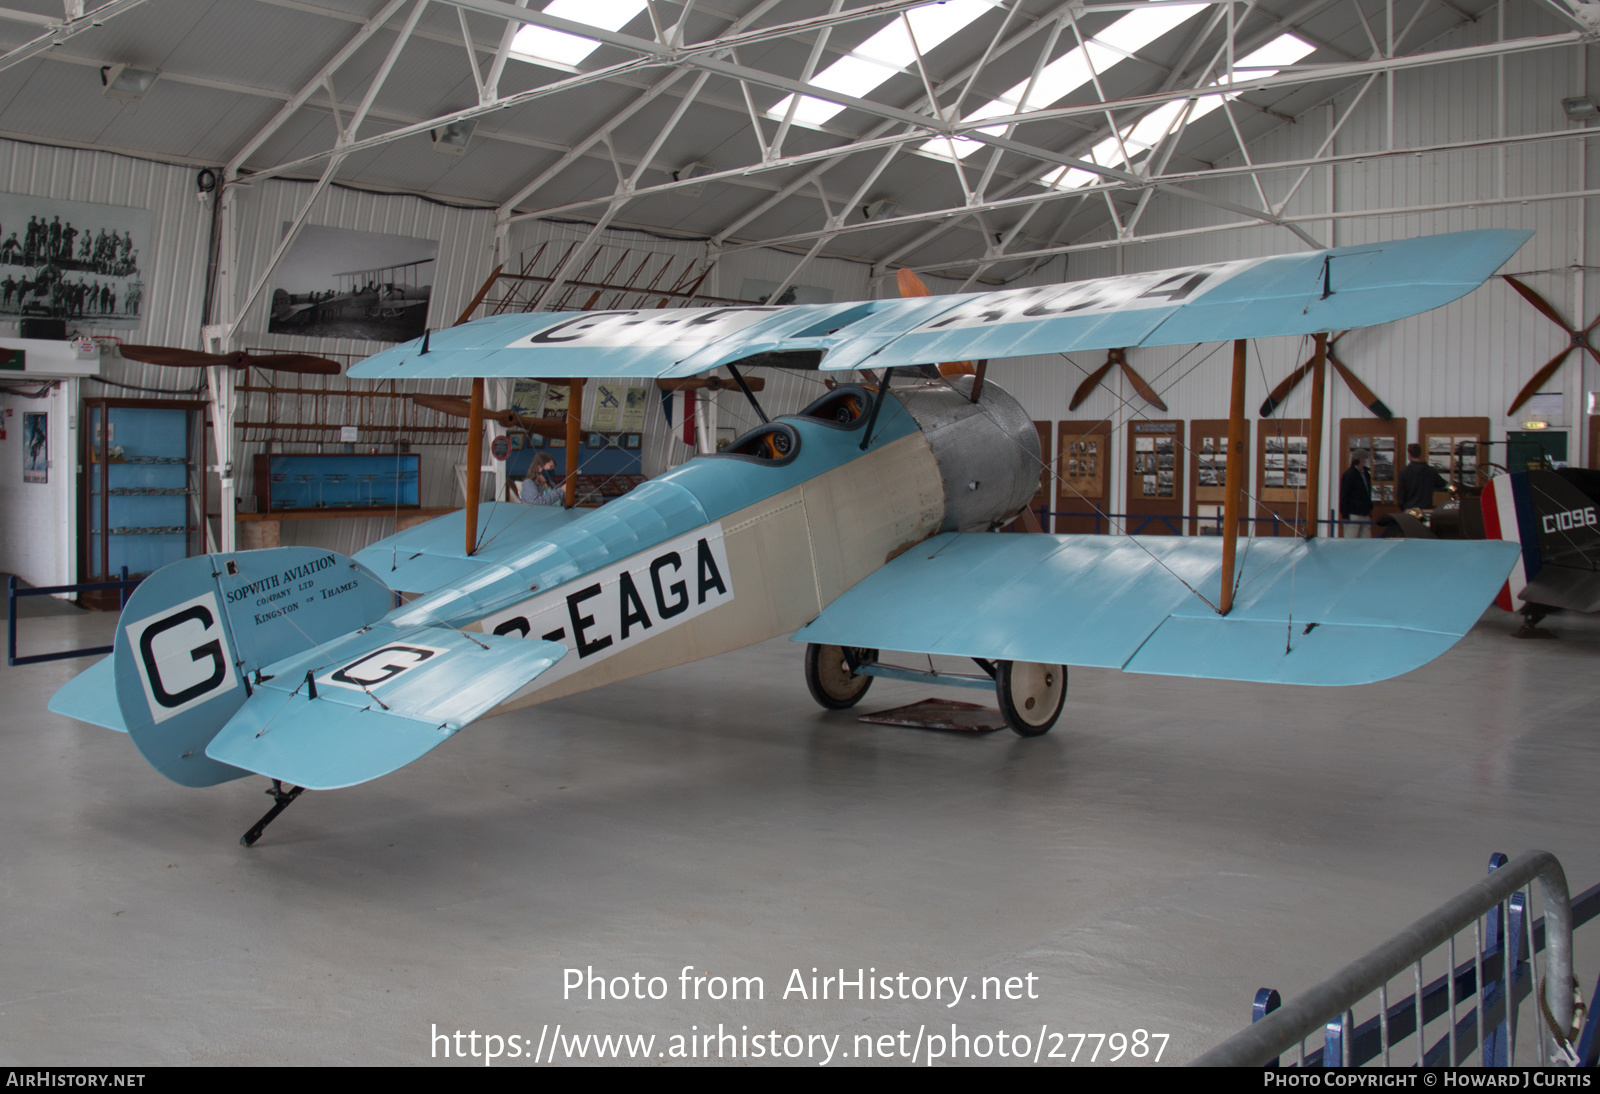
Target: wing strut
[(474, 462), (1319, 386), (1232, 503), (574, 421)]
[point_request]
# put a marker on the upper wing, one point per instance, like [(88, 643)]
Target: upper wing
[(1319, 291), (1323, 612)]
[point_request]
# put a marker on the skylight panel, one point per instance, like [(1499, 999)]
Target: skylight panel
[(1148, 131), (539, 44), (887, 52), (1073, 69)]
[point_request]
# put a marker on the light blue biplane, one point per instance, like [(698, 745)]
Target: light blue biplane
[(860, 524)]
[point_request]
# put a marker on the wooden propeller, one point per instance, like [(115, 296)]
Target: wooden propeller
[(1360, 390), (1118, 357), (911, 285), (272, 362), (1578, 337), (457, 407)]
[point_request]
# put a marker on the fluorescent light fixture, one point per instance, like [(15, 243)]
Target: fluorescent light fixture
[(1072, 70), (1148, 131), (127, 83), (541, 45), (452, 139), (893, 49)]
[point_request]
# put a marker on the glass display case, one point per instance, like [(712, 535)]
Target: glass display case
[(316, 481), (142, 485)]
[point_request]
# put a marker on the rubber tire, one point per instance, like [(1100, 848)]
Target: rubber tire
[(831, 687), (1009, 676)]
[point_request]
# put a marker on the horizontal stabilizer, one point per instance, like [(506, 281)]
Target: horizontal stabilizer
[(1323, 612), (91, 696), (431, 555), (1318, 291), (384, 696)]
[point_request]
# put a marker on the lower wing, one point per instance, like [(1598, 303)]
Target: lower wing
[(1317, 612)]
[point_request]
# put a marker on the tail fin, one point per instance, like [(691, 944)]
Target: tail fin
[(1554, 520), (193, 632)]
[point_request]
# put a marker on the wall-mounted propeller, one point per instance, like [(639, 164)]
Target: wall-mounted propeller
[(1360, 390), (457, 407), (271, 362), (1119, 358), (1578, 338)]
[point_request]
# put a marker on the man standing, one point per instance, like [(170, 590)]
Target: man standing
[(1355, 498), (1418, 482)]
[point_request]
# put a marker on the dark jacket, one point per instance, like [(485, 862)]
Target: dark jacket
[(1418, 481), (1355, 493)]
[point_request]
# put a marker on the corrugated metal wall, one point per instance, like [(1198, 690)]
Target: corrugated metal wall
[(1467, 359)]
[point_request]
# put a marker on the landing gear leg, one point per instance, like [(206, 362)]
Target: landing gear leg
[(281, 799), (1531, 615)]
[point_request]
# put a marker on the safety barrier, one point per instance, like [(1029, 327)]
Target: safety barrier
[(13, 593), (1501, 973)]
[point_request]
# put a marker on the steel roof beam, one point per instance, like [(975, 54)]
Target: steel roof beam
[(65, 29)]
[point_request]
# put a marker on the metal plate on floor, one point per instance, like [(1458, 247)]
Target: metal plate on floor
[(940, 714)]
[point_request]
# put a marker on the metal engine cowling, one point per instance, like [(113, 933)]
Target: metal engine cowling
[(988, 451)]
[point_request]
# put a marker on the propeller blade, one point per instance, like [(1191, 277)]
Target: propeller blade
[(1146, 392), (1282, 391), (1089, 383), (444, 404), (1540, 303), (910, 284), (174, 358), (1361, 391), (292, 362), (456, 407), (1531, 388)]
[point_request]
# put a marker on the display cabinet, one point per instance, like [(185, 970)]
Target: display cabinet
[(141, 487), (313, 481)]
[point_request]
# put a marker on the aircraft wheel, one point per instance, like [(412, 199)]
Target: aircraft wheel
[(828, 675), (1031, 695)]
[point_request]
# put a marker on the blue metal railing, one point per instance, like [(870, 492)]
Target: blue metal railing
[(13, 594), (1500, 973), (1174, 523)]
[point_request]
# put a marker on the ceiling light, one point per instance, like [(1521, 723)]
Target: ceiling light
[(892, 50), (1580, 109), (452, 138), (127, 83), (881, 209), (541, 45), (1072, 70)]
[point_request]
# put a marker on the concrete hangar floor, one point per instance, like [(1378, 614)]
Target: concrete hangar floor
[(1171, 846)]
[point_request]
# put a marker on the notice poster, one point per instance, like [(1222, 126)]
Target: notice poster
[(527, 398), (607, 407), (35, 447), (634, 400)]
